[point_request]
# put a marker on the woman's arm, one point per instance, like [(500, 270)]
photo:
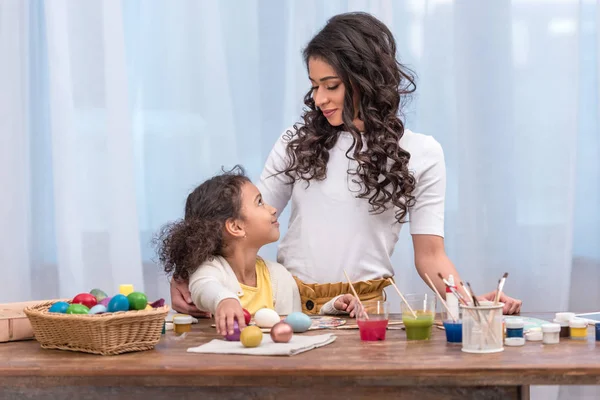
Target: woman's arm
[(274, 186), (431, 259)]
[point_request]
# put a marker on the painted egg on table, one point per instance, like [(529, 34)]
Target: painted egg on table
[(299, 322), (137, 301), (247, 316), (59, 307), (98, 309), (105, 301), (266, 318), (77, 309), (281, 332), (236, 333), (251, 336), (86, 299), (118, 303), (98, 294)]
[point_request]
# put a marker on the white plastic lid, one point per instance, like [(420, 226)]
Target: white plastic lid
[(514, 323), (182, 319), (564, 316), (534, 336), (514, 341), (549, 328), (578, 323), (561, 323)]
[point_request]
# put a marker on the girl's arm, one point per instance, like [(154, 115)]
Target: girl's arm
[(207, 288)]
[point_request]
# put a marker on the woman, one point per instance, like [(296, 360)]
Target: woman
[(353, 173)]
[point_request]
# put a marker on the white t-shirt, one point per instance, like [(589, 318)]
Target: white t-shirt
[(330, 229)]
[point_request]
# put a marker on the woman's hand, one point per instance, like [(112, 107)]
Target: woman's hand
[(347, 303), (511, 306), (181, 300), (229, 310)]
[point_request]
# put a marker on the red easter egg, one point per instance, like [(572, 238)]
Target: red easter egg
[(247, 316), (87, 299)]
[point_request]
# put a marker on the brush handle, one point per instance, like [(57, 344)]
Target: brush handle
[(356, 295), (402, 297), (441, 299)]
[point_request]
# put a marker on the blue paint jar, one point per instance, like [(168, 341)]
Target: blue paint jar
[(514, 327), (453, 331)]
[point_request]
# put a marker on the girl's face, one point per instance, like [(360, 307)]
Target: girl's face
[(328, 91), (259, 219)]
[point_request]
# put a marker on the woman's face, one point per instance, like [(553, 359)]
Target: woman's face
[(328, 91)]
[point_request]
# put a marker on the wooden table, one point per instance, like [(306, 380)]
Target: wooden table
[(347, 368)]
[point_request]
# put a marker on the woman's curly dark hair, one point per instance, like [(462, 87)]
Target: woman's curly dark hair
[(362, 51), (185, 244)]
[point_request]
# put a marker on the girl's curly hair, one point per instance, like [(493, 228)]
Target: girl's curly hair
[(185, 244), (362, 51)]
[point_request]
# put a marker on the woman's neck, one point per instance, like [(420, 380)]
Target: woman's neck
[(243, 262)]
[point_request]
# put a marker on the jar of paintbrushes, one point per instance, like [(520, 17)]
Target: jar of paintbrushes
[(482, 327)]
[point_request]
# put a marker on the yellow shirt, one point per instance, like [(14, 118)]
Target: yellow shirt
[(261, 296)]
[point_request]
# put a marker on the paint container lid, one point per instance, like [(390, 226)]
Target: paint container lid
[(182, 319), (564, 316), (578, 323), (514, 323), (550, 328), (534, 336), (561, 322), (514, 341)]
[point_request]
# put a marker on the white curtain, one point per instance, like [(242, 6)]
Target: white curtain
[(111, 112)]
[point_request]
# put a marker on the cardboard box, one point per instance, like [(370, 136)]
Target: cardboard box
[(14, 324)]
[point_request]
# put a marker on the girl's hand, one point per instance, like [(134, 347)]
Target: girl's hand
[(511, 306), (229, 310), (346, 303)]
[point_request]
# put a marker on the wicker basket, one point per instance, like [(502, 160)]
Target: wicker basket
[(105, 334)]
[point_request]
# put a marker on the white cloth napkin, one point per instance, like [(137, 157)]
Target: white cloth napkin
[(298, 344)]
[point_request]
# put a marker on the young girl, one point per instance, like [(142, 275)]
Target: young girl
[(215, 247)]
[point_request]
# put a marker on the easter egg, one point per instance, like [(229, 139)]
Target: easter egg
[(98, 294), (247, 316), (281, 332), (236, 333), (266, 318), (158, 303), (86, 299), (299, 322), (251, 336), (77, 309), (59, 307), (97, 309), (137, 301), (105, 301), (118, 303)]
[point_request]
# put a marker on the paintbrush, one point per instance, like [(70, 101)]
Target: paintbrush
[(441, 298), (475, 301), (402, 297), (356, 295), (455, 292), (500, 288), (465, 289)]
